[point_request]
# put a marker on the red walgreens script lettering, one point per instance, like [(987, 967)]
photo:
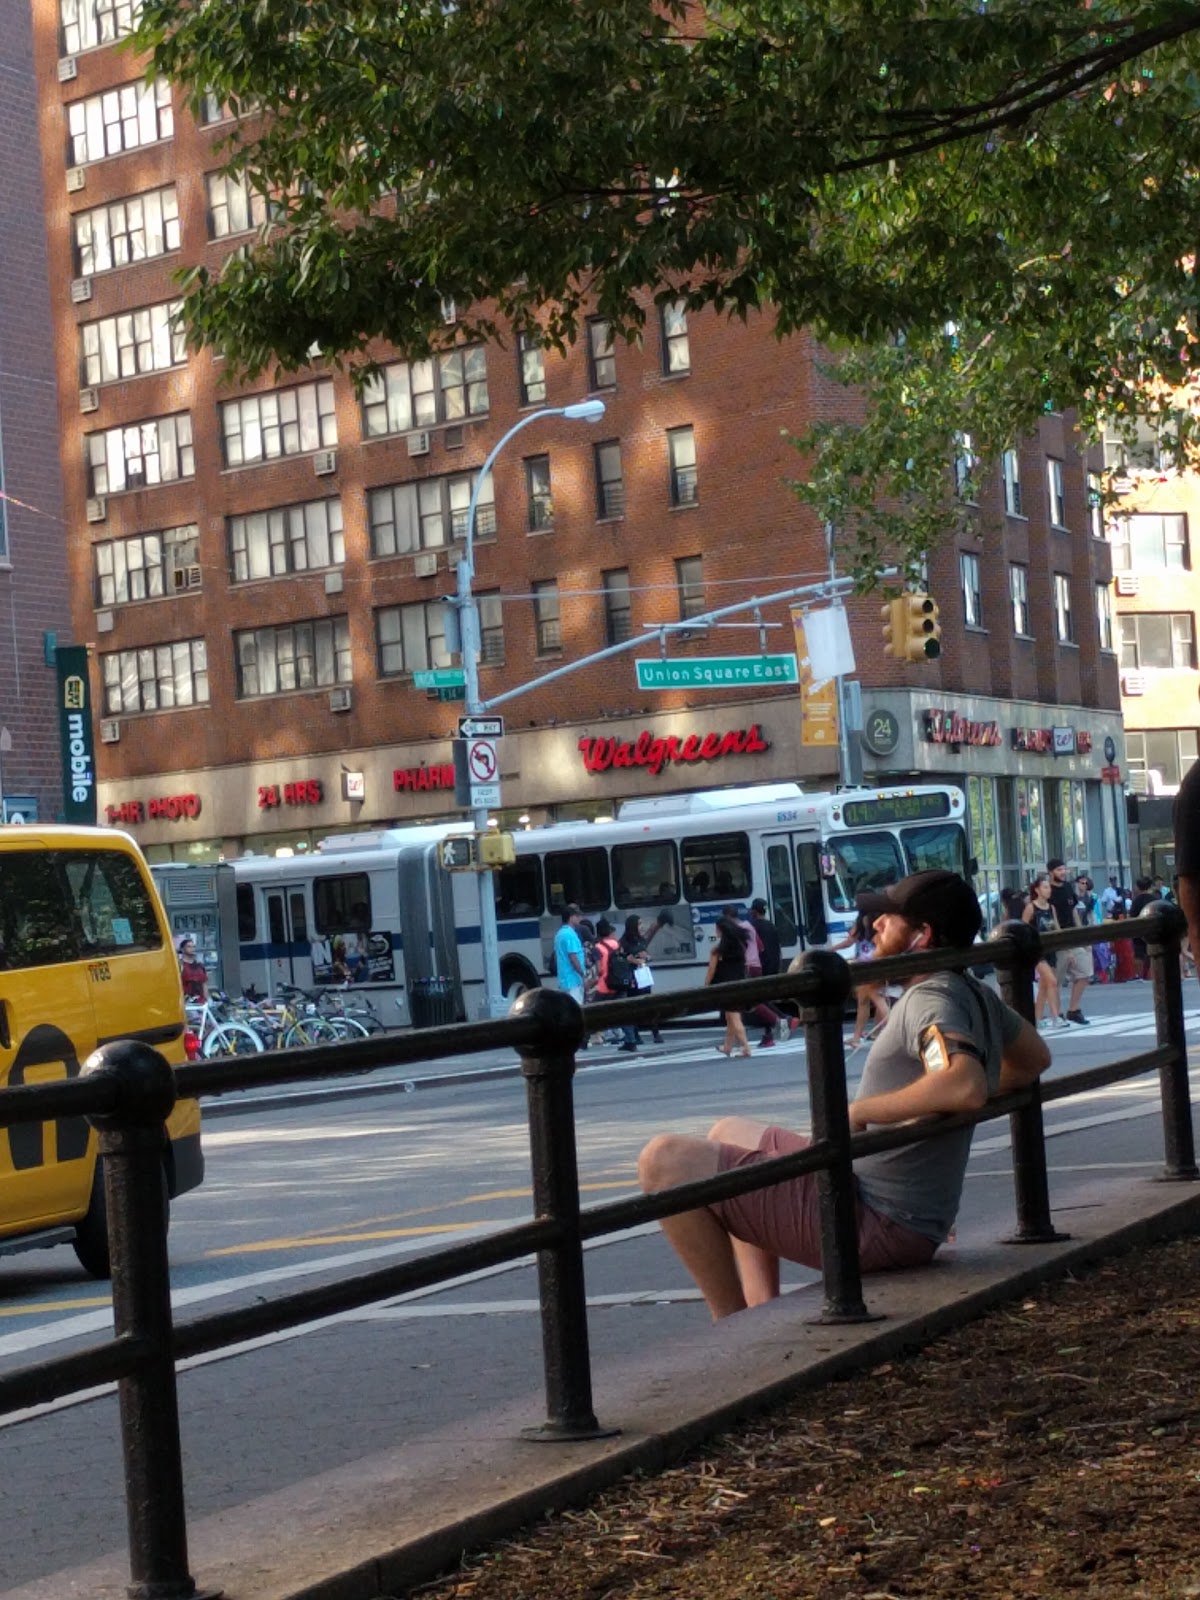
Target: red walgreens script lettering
[(439, 777), (654, 753)]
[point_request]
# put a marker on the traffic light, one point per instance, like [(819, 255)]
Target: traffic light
[(911, 631), (457, 854), (496, 850)]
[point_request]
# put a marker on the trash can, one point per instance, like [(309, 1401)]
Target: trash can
[(432, 1002)]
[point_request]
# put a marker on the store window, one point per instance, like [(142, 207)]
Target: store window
[(1031, 825), (1072, 817), (985, 846)]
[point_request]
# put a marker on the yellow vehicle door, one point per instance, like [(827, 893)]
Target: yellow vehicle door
[(47, 1028)]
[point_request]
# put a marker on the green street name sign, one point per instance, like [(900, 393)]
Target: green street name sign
[(439, 678), (716, 672)]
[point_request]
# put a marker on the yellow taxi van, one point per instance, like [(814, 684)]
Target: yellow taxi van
[(85, 958)]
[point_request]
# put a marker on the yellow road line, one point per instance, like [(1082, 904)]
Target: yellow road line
[(54, 1305)]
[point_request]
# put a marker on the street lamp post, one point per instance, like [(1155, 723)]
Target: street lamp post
[(468, 616)]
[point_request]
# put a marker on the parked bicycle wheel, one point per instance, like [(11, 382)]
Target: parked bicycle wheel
[(347, 1027), (309, 1030), (232, 1039)]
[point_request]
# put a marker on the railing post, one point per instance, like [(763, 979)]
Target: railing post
[(831, 1121), (1027, 1128), (1165, 926), (549, 1070), (132, 1143)]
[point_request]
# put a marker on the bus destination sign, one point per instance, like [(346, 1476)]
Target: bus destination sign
[(891, 808)]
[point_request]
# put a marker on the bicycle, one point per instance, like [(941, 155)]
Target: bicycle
[(218, 1032)]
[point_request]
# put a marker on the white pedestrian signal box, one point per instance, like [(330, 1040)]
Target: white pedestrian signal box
[(457, 854)]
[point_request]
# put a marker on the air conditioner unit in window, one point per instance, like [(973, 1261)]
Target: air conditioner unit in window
[(110, 732), (76, 178), (1133, 683), (340, 699), (68, 69), (418, 444), (449, 310), (324, 462), (425, 564), (81, 290), (1127, 583), (186, 577), (96, 510), (89, 400), (454, 438)]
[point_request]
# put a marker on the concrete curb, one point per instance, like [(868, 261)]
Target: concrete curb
[(383, 1525)]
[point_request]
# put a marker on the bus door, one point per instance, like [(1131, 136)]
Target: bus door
[(784, 907), (289, 953)]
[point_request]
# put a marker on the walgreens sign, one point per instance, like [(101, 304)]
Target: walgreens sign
[(654, 752)]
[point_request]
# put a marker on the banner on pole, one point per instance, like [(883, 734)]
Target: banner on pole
[(76, 735), (818, 700)]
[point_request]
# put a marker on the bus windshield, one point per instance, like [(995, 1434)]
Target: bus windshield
[(862, 861), (945, 847)]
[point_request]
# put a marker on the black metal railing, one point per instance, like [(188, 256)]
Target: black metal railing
[(127, 1090)]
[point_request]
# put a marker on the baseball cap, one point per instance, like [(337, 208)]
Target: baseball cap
[(943, 900), (758, 905)]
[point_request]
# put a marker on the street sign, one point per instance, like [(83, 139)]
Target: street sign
[(440, 678), (455, 692), (480, 727), (485, 795), (483, 763), (1110, 750), (717, 672)]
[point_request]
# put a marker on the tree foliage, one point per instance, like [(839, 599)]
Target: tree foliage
[(1025, 174)]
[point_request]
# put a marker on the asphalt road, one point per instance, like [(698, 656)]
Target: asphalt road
[(295, 1194)]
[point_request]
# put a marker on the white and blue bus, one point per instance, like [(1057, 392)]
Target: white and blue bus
[(377, 907)]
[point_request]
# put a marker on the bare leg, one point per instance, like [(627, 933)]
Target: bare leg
[(882, 1009), (735, 1032), (697, 1238), (860, 1017), (1077, 989), (757, 1268)]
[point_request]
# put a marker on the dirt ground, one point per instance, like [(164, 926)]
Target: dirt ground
[(1052, 1449)]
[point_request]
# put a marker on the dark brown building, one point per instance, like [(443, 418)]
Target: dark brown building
[(260, 570), (33, 564)]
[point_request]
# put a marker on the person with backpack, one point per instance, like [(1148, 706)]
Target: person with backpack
[(762, 1013), (636, 949), (614, 976)]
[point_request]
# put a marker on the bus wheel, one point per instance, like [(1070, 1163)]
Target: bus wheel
[(515, 978)]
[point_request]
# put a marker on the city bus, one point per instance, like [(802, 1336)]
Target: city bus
[(378, 909)]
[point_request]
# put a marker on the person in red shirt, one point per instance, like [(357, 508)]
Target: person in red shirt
[(192, 972)]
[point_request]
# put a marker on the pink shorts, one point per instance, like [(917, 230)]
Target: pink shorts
[(785, 1219)]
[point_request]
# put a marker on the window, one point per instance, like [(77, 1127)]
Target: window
[(412, 638), (676, 355), (302, 655), (342, 904), (1056, 501), (1011, 464), (36, 926), (716, 867), (247, 923), (148, 340), (491, 630), (1104, 615), (120, 119), (416, 394), (681, 452), (88, 23), (1159, 760), (1150, 542), (1018, 594), (578, 877), (428, 514), (137, 229), (1165, 640), (964, 464), (282, 422), (1095, 500), (268, 544), (968, 572), (545, 617), (644, 875), (163, 677), (234, 206), (1063, 627), (146, 567), (610, 480), (618, 606), (114, 913), (602, 360), (519, 888), (141, 455), (689, 582), (531, 368), (540, 506)]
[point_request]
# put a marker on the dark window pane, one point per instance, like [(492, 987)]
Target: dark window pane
[(578, 877), (342, 904), (519, 888), (113, 905), (644, 875), (716, 867), (36, 925)]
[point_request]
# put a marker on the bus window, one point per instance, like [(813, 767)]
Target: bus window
[(519, 888), (299, 916), (246, 920), (783, 896), (716, 867), (944, 847), (808, 862), (578, 877), (862, 861), (277, 931), (342, 903), (644, 875)]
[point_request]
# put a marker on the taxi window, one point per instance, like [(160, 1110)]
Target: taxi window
[(36, 925), (112, 904)]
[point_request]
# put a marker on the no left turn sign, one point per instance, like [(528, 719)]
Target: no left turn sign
[(482, 763)]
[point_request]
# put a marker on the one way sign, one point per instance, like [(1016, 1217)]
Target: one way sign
[(480, 727)]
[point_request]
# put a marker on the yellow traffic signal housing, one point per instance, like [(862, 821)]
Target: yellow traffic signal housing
[(496, 850), (457, 854), (923, 632), (895, 617)]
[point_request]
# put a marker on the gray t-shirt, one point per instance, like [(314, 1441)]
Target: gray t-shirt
[(921, 1184)]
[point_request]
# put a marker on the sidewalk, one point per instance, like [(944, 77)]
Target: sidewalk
[(397, 1518)]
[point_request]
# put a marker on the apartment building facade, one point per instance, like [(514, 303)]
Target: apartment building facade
[(259, 568)]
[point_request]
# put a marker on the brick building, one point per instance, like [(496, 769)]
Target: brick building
[(259, 569), (33, 577)]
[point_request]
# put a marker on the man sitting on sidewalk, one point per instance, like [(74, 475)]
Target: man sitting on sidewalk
[(948, 1044)]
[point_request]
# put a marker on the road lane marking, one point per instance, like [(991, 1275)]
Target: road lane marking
[(55, 1305)]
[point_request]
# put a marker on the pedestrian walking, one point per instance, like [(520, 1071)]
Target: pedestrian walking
[(871, 997), (635, 947), (1075, 968), (727, 964), (613, 977), (1040, 914)]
